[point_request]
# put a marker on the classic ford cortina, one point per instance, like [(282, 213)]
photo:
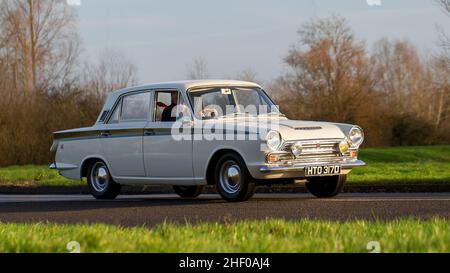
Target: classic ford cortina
[(196, 133)]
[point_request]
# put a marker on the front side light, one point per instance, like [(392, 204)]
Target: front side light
[(356, 137), (279, 158), (297, 149), (273, 140), (344, 147)]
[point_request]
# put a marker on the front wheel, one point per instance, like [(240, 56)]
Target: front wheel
[(233, 181), (100, 182), (188, 191), (326, 187)]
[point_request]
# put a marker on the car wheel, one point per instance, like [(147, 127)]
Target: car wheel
[(188, 191), (325, 187), (233, 181), (100, 182)]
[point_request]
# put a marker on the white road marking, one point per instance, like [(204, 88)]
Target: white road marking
[(384, 200), (348, 197)]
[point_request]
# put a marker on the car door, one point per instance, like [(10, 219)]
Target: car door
[(123, 135), (167, 158)]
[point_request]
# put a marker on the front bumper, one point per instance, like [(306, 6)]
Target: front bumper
[(345, 165), (297, 170)]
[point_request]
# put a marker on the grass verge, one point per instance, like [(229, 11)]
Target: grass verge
[(403, 165), (34, 176), (386, 166), (407, 235)]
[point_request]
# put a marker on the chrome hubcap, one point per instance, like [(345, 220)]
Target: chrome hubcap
[(99, 177), (230, 177)]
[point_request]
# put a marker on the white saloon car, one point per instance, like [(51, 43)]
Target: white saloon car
[(195, 133)]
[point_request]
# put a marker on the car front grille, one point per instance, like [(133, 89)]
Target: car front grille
[(316, 150)]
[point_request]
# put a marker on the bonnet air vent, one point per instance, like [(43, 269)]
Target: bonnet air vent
[(308, 128)]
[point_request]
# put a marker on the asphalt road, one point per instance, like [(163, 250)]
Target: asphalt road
[(148, 210)]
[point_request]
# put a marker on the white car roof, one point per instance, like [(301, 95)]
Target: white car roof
[(185, 85), (180, 85)]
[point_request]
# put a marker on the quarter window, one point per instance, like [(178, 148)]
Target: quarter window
[(115, 115)]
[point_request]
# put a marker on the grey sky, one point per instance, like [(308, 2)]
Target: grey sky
[(164, 37)]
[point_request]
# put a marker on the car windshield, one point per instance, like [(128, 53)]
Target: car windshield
[(231, 101)]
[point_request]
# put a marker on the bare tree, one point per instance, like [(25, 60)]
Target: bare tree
[(441, 66), (39, 42), (445, 5), (444, 39), (198, 70), (440, 91), (401, 75), (112, 71), (329, 72), (247, 75)]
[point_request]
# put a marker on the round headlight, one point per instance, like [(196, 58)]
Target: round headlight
[(297, 149), (273, 139), (356, 137)]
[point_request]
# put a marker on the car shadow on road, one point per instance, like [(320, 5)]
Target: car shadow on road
[(131, 202), (55, 206)]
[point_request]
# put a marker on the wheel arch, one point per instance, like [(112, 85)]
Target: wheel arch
[(88, 161), (213, 161)]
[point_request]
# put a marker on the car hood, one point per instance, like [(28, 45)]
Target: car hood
[(298, 129), (305, 130)]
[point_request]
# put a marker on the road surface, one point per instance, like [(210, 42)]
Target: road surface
[(148, 210)]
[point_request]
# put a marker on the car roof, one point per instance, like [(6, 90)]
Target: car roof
[(185, 85), (180, 85)]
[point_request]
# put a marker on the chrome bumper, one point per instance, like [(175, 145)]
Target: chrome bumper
[(301, 167)]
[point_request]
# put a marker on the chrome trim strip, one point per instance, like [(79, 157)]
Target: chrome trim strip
[(62, 166), (298, 168)]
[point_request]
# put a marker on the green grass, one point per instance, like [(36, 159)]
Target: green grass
[(405, 235), (33, 176), (403, 165), (398, 165)]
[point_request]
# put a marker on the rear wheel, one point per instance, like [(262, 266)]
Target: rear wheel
[(233, 181), (188, 191), (100, 182), (325, 187)]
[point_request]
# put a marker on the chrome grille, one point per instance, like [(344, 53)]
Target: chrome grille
[(316, 149)]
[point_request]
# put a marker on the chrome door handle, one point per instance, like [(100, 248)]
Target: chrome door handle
[(149, 132), (105, 134)]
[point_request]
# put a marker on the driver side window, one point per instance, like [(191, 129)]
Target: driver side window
[(169, 106)]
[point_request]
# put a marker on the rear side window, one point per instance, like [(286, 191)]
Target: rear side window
[(135, 107)]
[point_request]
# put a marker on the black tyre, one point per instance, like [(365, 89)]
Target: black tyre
[(100, 182), (326, 187), (188, 191), (233, 181)]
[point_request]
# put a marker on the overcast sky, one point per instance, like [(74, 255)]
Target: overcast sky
[(163, 37)]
